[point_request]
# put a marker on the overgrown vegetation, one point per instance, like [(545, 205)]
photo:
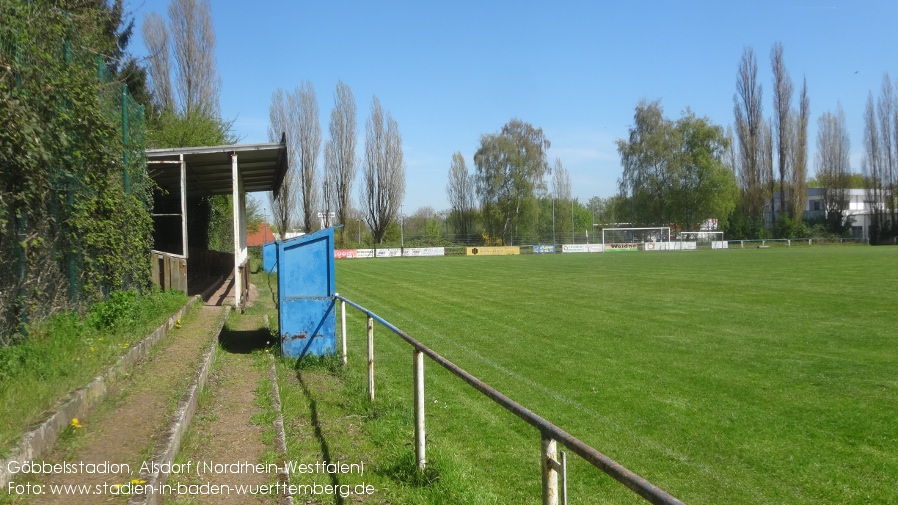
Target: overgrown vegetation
[(73, 190), (66, 351)]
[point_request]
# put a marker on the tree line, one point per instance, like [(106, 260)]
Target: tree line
[(751, 177), (514, 195), (771, 158), (306, 192)]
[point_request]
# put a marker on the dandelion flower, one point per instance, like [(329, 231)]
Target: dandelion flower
[(138, 481), (76, 423)]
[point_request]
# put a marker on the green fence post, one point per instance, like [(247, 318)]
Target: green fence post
[(71, 253), (22, 270), (127, 175)]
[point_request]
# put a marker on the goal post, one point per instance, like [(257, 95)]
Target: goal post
[(633, 239)]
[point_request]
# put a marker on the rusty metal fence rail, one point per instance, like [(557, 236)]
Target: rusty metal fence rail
[(553, 466)]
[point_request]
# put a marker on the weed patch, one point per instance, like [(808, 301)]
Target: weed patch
[(67, 351)]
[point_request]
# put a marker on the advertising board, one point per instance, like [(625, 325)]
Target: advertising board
[(388, 253), (492, 251), (424, 251), (621, 247)]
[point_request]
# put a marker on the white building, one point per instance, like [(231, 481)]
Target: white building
[(860, 209)]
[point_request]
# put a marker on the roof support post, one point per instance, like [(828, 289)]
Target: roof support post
[(235, 179), (183, 207)]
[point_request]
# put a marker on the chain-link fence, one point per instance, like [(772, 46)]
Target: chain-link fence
[(64, 208)]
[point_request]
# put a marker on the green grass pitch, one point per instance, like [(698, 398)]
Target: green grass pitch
[(738, 376)]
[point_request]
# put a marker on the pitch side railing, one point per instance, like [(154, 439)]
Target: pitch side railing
[(554, 466)]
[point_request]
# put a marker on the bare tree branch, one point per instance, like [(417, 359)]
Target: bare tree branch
[(782, 100), (155, 36), (339, 155), (307, 128), (384, 171), (461, 191), (283, 204), (198, 85)]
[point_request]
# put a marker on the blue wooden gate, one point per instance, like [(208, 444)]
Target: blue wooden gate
[(270, 257), (306, 284)]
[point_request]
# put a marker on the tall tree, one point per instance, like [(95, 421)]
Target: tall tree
[(510, 167), (748, 111), (833, 167), (295, 115), (188, 112), (768, 169), (674, 172), (782, 104), (329, 184), (887, 109), (283, 203), (799, 181), (872, 167), (197, 83), (340, 160), (384, 171), (461, 190), (649, 176), (750, 127), (563, 204), (307, 128), (155, 36)]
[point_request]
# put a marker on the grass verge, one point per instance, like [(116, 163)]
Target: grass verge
[(741, 376), (67, 351)]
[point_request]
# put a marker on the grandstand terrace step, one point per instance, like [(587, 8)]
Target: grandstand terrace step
[(129, 421)]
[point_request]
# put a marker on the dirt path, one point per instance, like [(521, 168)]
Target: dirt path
[(125, 427), (226, 428)]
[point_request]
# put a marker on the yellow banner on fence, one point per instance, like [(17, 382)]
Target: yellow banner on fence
[(492, 251)]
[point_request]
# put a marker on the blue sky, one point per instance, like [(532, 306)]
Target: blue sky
[(449, 72)]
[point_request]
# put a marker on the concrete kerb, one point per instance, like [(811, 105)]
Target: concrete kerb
[(280, 436), (170, 441), (40, 439)]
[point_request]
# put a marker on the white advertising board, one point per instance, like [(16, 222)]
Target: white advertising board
[(582, 248), (388, 253), (364, 253), (424, 251), (670, 246)]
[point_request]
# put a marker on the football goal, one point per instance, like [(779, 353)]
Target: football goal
[(634, 239)]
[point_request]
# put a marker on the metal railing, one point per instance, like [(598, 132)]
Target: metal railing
[(794, 242), (553, 467)]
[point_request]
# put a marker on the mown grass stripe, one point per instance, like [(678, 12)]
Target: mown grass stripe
[(734, 376)]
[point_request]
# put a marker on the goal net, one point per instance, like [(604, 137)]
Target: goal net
[(634, 239)]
